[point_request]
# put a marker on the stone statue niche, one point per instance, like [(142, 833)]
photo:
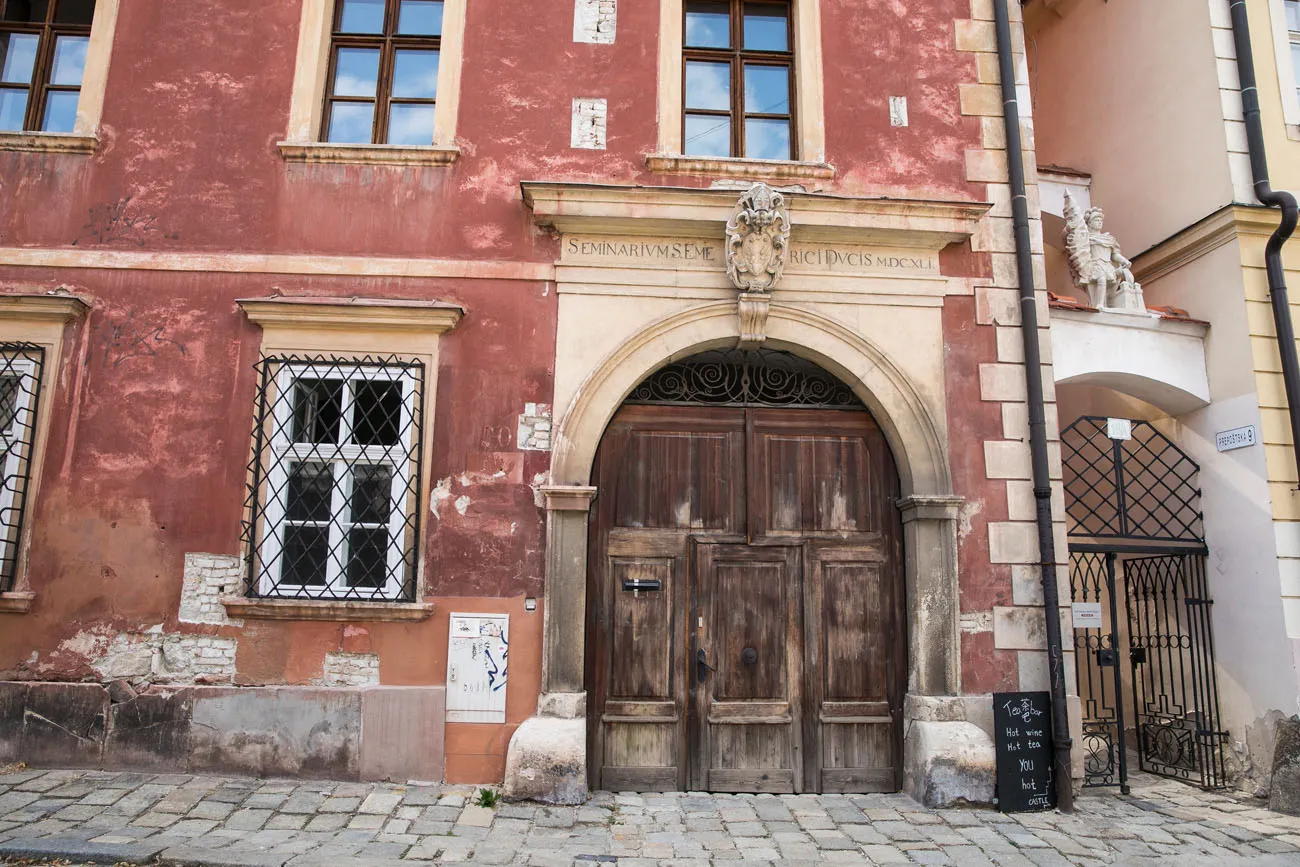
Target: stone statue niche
[(1096, 263)]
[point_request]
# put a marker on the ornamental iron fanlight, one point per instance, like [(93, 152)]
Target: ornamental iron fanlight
[(22, 368), (333, 499), (745, 378), (1143, 488)]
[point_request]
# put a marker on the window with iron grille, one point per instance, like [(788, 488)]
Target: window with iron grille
[(335, 480), (20, 378), (383, 72), (739, 79), (43, 47)]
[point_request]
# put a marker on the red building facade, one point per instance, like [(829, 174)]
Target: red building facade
[(214, 290)]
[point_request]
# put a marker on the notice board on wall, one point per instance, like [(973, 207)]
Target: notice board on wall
[(478, 653), (1022, 723)]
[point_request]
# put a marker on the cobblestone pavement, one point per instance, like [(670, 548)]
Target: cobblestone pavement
[(95, 816)]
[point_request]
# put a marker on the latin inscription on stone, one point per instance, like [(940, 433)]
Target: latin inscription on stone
[(704, 254)]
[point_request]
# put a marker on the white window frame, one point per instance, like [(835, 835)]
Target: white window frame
[(283, 452), (1288, 80), (16, 454)]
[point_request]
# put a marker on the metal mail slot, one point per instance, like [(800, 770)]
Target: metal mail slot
[(635, 584)]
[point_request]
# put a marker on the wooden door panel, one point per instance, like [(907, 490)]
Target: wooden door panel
[(746, 732), (641, 660), (854, 652), (749, 615), (818, 474)]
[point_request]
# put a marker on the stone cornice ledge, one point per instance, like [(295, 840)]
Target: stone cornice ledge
[(43, 307), (383, 314), (325, 609), (48, 142), (611, 209), (16, 602), (367, 155), (730, 167)]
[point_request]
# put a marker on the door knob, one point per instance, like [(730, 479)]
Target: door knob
[(702, 667)]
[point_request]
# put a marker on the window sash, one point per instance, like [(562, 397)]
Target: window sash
[(16, 444), (388, 44), (737, 56), (38, 89), (342, 459)]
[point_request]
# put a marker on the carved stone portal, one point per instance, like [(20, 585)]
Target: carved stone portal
[(1096, 263), (758, 236)]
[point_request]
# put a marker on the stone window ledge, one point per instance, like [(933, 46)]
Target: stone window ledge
[(325, 609), (48, 142), (367, 155), (729, 167), (16, 602)]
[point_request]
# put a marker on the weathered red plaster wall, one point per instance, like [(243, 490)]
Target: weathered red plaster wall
[(150, 433)]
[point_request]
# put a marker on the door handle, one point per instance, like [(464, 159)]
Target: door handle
[(702, 667)]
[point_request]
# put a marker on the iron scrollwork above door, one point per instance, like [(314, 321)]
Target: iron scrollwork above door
[(746, 377)]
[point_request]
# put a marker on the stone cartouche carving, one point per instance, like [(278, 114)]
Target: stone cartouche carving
[(758, 236), (1096, 263)]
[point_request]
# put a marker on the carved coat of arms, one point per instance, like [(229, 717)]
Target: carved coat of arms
[(758, 235)]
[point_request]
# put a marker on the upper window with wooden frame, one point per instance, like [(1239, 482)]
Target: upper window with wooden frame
[(43, 45), (738, 62), (377, 82), (740, 89), (383, 79)]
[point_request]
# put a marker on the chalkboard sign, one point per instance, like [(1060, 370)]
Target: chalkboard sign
[(1023, 729)]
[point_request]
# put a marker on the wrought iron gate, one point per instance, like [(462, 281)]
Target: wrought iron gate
[(1137, 553)]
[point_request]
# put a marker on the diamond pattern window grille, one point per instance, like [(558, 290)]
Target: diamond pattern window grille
[(1143, 488), (335, 480), (21, 369)]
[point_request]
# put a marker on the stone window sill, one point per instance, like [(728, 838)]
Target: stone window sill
[(48, 142), (729, 167), (325, 609), (16, 603), (367, 155)]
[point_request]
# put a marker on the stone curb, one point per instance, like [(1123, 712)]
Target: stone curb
[(64, 848)]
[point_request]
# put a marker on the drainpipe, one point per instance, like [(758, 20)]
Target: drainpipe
[(1276, 198), (1037, 418)]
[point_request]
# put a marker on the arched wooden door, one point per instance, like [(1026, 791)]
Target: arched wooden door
[(745, 586)]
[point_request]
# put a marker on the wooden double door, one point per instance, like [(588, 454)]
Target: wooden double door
[(745, 629)]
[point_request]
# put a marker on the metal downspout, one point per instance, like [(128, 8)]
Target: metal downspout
[(1277, 291), (1037, 419)]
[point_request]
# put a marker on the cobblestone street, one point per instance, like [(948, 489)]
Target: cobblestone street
[(93, 816)]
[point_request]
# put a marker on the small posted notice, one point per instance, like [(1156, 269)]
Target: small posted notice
[(1023, 729)]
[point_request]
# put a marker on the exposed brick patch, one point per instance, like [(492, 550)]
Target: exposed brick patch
[(350, 669), (207, 578), (535, 428), (595, 21), (589, 123)]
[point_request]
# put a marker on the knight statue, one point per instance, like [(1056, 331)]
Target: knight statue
[(1096, 263)]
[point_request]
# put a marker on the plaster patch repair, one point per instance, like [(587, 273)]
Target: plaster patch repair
[(350, 669), (590, 117), (535, 428), (595, 21), (207, 578)]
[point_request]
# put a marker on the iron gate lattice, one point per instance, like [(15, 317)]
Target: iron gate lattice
[(1137, 553), (1175, 696), (1096, 654), (1140, 489)]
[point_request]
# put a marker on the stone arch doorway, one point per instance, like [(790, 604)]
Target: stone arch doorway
[(745, 595)]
